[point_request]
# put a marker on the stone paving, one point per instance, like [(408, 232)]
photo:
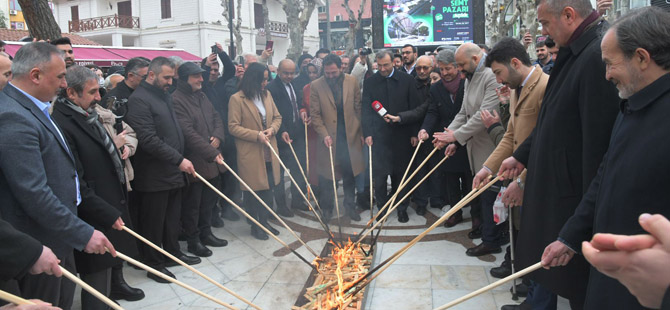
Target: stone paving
[(432, 273)]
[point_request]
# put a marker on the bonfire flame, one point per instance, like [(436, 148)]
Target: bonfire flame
[(343, 257)]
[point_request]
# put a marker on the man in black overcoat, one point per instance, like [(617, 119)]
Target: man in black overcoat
[(628, 182), (564, 150), (392, 148)]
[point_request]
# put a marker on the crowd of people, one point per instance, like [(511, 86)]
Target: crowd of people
[(574, 136)]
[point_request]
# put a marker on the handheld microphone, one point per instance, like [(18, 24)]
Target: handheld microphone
[(379, 108)]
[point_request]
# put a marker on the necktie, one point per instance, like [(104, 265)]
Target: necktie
[(294, 103)]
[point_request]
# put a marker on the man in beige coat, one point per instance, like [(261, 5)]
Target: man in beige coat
[(335, 108), (467, 127)]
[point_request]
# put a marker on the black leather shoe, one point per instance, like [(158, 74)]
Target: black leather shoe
[(258, 233), (521, 289), (158, 279), (503, 271), (216, 221), (363, 201), (284, 212), (121, 290), (475, 233), (198, 249), (353, 214), (420, 210), (189, 260), (271, 229), (403, 217), (211, 240), (454, 220), (483, 249), (523, 306), (302, 206), (228, 214)]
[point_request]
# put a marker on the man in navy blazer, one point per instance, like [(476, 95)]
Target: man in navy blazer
[(39, 186)]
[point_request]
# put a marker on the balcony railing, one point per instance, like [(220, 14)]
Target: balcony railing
[(102, 22)]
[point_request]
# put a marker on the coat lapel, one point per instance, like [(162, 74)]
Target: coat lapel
[(30, 106), (254, 111), (526, 90), (81, 122)]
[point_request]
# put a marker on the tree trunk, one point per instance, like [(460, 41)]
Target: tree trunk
[(298, 13), (529, 19), (237, 22), (354, 25), (40, 20), (266, 25), (497, 25)]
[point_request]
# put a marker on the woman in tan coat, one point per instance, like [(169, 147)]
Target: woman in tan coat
[(253, 120)]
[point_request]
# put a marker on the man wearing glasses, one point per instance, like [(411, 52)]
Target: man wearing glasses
[(409, 59)]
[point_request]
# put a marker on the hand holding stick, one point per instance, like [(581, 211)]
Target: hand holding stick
[(11, 298)]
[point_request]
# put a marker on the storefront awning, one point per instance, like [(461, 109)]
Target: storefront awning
[(112, 56)]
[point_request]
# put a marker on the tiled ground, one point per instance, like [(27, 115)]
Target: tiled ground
[(431, 274)]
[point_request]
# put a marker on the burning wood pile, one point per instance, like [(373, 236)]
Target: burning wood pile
[(336, 272)]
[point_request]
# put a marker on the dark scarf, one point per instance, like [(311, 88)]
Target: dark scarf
[(336, 86), (594, 16), (91, 116), (452, 86)]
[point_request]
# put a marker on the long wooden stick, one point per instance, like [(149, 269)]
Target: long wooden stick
[(337, 207), (411, 161), (383, 219), (397, 192), (11, 298), (253, 193), (90, 289), (385, 264), (175, 281), (309, 187), (371, 187), (492, 286), (324, 225), (307, 152), (253, 220), (185, 265)]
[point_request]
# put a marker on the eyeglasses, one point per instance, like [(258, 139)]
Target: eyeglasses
[(421, 68)]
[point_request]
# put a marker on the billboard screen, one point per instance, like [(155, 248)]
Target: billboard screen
[(427, 22)]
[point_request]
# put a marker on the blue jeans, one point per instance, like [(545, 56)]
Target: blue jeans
[(540, 298)]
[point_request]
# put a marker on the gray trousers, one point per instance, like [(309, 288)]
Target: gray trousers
[(101, 281)]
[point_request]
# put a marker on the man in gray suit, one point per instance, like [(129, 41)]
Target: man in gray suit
[(40, 193)]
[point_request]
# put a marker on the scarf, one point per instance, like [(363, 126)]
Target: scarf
[(91, 116), (594, 16), (452, 86)]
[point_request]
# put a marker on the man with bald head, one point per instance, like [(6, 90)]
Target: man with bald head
[(467, 128), (5, 70), (564, 151), (288, 99)]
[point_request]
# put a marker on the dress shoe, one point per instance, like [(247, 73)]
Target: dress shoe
[(503, 271), (483, 249), (158, 279), (403, 217), (229, 214), (353, 214), (475, 233), (284, 211), (217, 221), (363, 201), (523, 306), (188, 260), (211, 240), (121, 290), (302, 206), (420, 210), (258, 233), (271, 229), (521, 289), (198, 249), (454, 220)]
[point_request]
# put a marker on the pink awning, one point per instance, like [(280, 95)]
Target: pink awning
[(151, 53)]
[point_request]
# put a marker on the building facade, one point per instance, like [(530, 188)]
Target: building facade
[(190, 25), (339, 25)]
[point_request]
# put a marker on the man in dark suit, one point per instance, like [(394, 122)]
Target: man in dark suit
[(409, 57), (100, 166), (446, 99), (21, 254), (159, 165), (396, 91), (39, 185), (136, 70), (288, 100)]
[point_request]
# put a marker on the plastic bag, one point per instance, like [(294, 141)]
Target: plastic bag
[(500, 212)]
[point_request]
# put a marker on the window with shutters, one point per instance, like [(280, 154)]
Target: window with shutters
[(166, 10)]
